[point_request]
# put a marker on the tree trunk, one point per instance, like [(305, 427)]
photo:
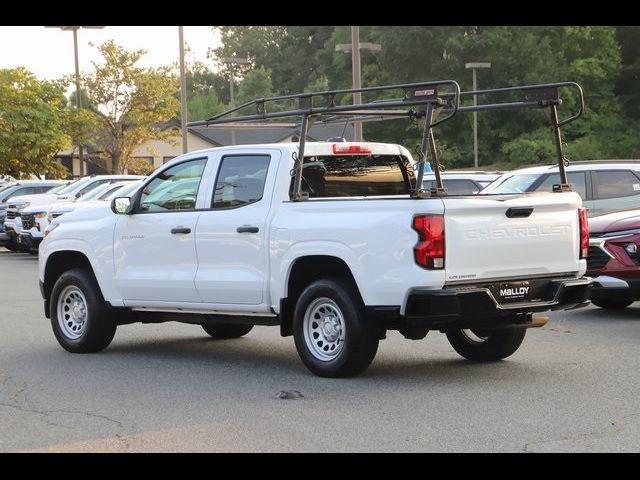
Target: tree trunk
[(115, 163)]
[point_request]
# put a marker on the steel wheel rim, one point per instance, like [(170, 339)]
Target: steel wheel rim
[(324, 329), (72, 312), (473, 337)]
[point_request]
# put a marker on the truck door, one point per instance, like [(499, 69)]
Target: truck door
[(154, 247), (231, 236)]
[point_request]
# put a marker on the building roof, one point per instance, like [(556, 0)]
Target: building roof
[(250, 134)]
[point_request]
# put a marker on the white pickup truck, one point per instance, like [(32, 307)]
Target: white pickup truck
[(218, 238)]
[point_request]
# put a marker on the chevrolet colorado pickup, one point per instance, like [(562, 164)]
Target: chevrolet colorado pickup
[(334, 242)]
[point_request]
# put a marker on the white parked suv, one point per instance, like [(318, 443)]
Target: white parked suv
[(15, 190), (605, 186), (73, 191), (333, 242)]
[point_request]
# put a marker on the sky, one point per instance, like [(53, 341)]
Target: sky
[(48, 52)]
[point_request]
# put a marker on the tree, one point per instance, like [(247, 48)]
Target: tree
[(131, 102), (289, 52), (604, 60), (255, 84), (203, 106), (32, 124)]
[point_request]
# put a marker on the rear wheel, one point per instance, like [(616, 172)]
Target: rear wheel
[(227, 330), (79, 318), (610, 304), (330, 330), (486, 346)]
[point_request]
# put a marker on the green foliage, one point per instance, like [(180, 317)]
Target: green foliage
[(256, 84), (33, 123), (131, 101), (140, 166), (604, 60), (203, 106)]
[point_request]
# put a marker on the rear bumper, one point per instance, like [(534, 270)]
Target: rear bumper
[(476, 306), (606, 287)]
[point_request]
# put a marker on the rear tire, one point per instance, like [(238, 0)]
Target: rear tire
[(79, 318), (612, 304), (227, 330), (487, 346), (331, 332)]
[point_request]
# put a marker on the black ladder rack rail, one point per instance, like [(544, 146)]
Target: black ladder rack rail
[(420, 100), (534, 96)]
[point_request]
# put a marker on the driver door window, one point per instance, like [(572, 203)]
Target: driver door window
[(173, 189)]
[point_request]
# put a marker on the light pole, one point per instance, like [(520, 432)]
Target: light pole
[(233, 61), (183, 92), (354, 47), (78, 102), (474, 66)]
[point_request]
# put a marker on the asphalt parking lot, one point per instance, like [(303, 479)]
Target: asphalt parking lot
[(574, 385)]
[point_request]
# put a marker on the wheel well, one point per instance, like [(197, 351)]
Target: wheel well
[(304, 271), (60, 262)]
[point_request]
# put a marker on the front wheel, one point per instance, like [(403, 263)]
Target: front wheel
[(79, 318), (612, 304), (486, 346), (330, 330)]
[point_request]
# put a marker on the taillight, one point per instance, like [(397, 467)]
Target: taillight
[(584, 232), (351, 149), (429, 252)]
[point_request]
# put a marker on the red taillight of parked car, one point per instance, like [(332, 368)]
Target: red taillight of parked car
[(584, 232), (429, 252)]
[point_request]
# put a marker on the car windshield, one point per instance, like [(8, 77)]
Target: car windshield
[(57, 188), (71, 186), (123, 191), (95, 193), (514, 184)]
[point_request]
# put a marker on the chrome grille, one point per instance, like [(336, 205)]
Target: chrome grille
[(28, 221)]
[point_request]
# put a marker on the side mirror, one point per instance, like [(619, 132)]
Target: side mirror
[(121, 205)]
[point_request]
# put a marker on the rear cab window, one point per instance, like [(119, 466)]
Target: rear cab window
[(329, 176)]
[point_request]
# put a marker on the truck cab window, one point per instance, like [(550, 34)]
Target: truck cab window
[(355, 176), (173, 189), (240, 180)]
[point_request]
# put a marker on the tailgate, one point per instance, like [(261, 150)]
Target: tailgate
[(494, 236)]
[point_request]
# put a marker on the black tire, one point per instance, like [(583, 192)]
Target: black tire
[(98, 327), (360, 338), (611, 304), (498, 344), (227, 330)]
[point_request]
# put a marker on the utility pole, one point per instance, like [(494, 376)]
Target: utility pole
[(474, 66), (183, 92), (354, 47), (233, 61), (78, 98)]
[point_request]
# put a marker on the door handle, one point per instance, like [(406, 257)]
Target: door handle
[(519, 212), (180, 230), (247, 229)]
